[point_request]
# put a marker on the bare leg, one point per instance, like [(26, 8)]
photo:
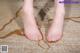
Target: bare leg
[(30, 27), (56, 29)]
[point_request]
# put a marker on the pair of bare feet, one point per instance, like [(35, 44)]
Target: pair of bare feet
[(31, 29)]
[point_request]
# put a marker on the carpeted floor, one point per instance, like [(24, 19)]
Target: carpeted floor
[(11, 29)]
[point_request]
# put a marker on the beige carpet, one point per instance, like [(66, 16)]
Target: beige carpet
[(11, 33)]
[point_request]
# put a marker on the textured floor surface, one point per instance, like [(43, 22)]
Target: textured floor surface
[(11, 29)]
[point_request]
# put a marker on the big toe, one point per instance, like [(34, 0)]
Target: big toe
[(54, 37), (34, 37)]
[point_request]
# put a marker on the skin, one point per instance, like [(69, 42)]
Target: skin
[(31, 29), (56, 29)]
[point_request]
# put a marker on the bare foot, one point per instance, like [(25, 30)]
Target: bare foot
[(30, 27), (54, 33), (56, 29)]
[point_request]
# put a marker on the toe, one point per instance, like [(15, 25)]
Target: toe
[(54, 37), (34, 37)]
